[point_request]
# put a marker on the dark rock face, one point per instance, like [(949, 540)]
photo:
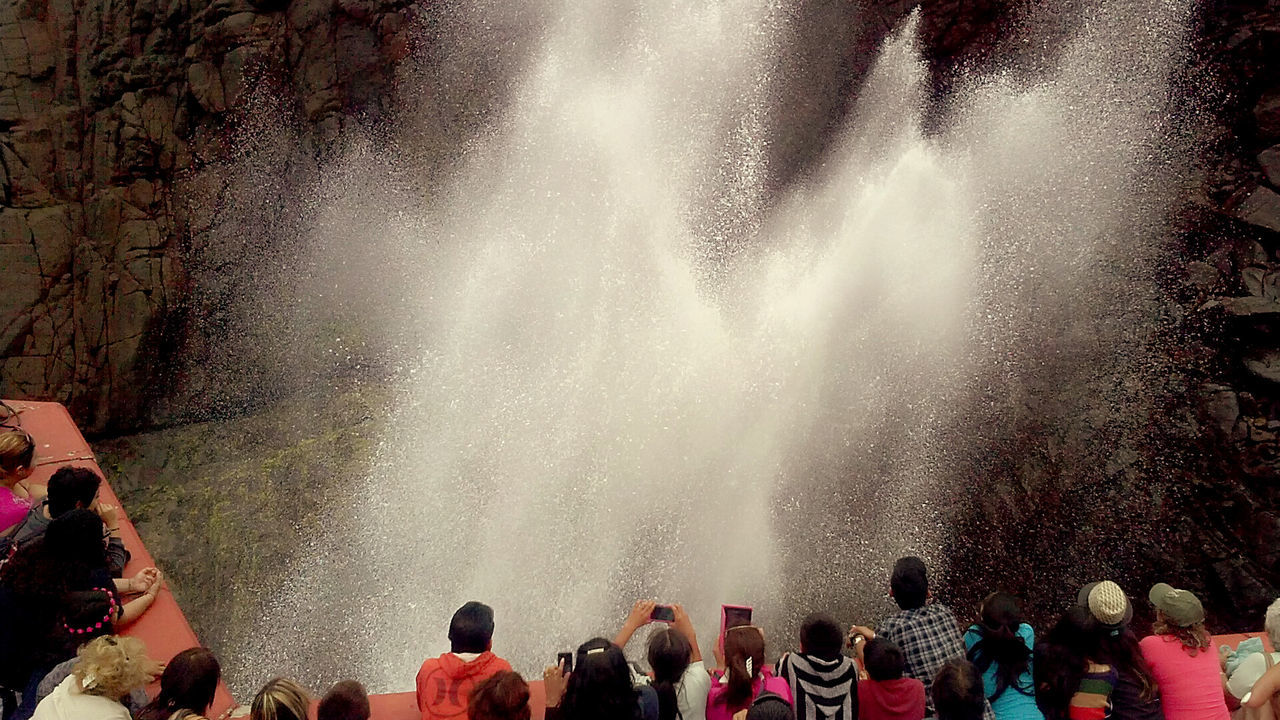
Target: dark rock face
[(103, 107)]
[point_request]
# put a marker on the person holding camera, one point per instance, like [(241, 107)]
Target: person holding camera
[(678, 674)]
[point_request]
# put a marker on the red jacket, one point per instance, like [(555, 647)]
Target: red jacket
[(445, 683), (901, 699)]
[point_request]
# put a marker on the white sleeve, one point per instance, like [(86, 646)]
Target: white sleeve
[(1246, 674)]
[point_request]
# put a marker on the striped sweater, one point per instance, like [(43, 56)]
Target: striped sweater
[(821, 689)]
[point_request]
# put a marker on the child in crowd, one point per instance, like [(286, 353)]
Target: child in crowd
[(820, 675), (280, 699), (1181, 658), (957, 692), (744, 676), (17, 458), (346, 700), (679, 677), (768, 706), (1071, 683), (108, 669), (504, 696), (186, 687), (1000, 646), (886, 694), (600, 686), (1136, 695)]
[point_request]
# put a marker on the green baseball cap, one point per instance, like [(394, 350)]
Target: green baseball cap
[(1182, 607)]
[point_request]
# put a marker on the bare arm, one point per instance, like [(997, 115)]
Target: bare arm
[(638, 618), (684, 626), (133, 609)]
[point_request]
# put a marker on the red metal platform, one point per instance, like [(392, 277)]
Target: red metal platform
[(163, 626)]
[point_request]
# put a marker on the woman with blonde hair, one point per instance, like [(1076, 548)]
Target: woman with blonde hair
[(280, 699), (1181, 657), (107, 670), (17, 460)]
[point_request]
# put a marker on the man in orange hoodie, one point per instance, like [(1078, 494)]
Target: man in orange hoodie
[(445, 683)]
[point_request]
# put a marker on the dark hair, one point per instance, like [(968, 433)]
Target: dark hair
[(188, 683), (770, 706), (1120, 648), (471, 630), (669, 653), (1061, 660), (957, 691), (883, 659), (999, 644), (502, 696), (61, 560), (740, 644), (910, 583), (72, 486), (346, 700), (600, 684), (821, 637)]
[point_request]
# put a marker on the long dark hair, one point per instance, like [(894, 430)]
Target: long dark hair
[(668, 654), (600, 684), (188, 683), (1120, 648), (1000, 645), (1061, 660), (741, 643), (60, 561)]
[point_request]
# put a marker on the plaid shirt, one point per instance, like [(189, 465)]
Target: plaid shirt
[(928, 637)]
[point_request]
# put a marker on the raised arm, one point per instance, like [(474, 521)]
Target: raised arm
[(684, 626), (638, 618)]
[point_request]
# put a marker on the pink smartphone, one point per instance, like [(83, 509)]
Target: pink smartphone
[(732, 616)]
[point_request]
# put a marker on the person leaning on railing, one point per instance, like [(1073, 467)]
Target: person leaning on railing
[(57, 593)]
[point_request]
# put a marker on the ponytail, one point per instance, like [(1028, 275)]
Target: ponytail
[(744, 658), (668, 654)]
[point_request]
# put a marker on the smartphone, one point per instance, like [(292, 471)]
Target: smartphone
[(663, 613), (732, 616), (565, 661)]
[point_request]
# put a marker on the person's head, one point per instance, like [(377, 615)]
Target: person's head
[(669, 654), (1108, 604), (600, 684), (999, 643), (471, 630), (1061, 659), (346, 700), (17, 455), (743, 660), (71, 488), (909, 583), (883, 660), (770, 706), (280, 699), (821, 636), (1179, 614), (502, 696), (1272, 623), (77, 537), (1118, 646), (113, 666), (188, 683), (957, 692), (66, 555)]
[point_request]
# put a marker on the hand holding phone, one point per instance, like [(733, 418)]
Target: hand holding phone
[(564, 661), (663, 613)]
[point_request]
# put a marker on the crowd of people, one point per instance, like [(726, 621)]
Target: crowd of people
[(64, 601)]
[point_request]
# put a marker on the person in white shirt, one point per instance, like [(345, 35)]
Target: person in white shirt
[(678, 673), (1245, 674), (107, 670)]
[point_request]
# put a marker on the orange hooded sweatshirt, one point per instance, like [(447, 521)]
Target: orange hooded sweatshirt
[(445, 683)]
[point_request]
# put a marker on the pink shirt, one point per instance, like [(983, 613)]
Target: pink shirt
[(718, 710), (12, 509), (1190, 687)]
